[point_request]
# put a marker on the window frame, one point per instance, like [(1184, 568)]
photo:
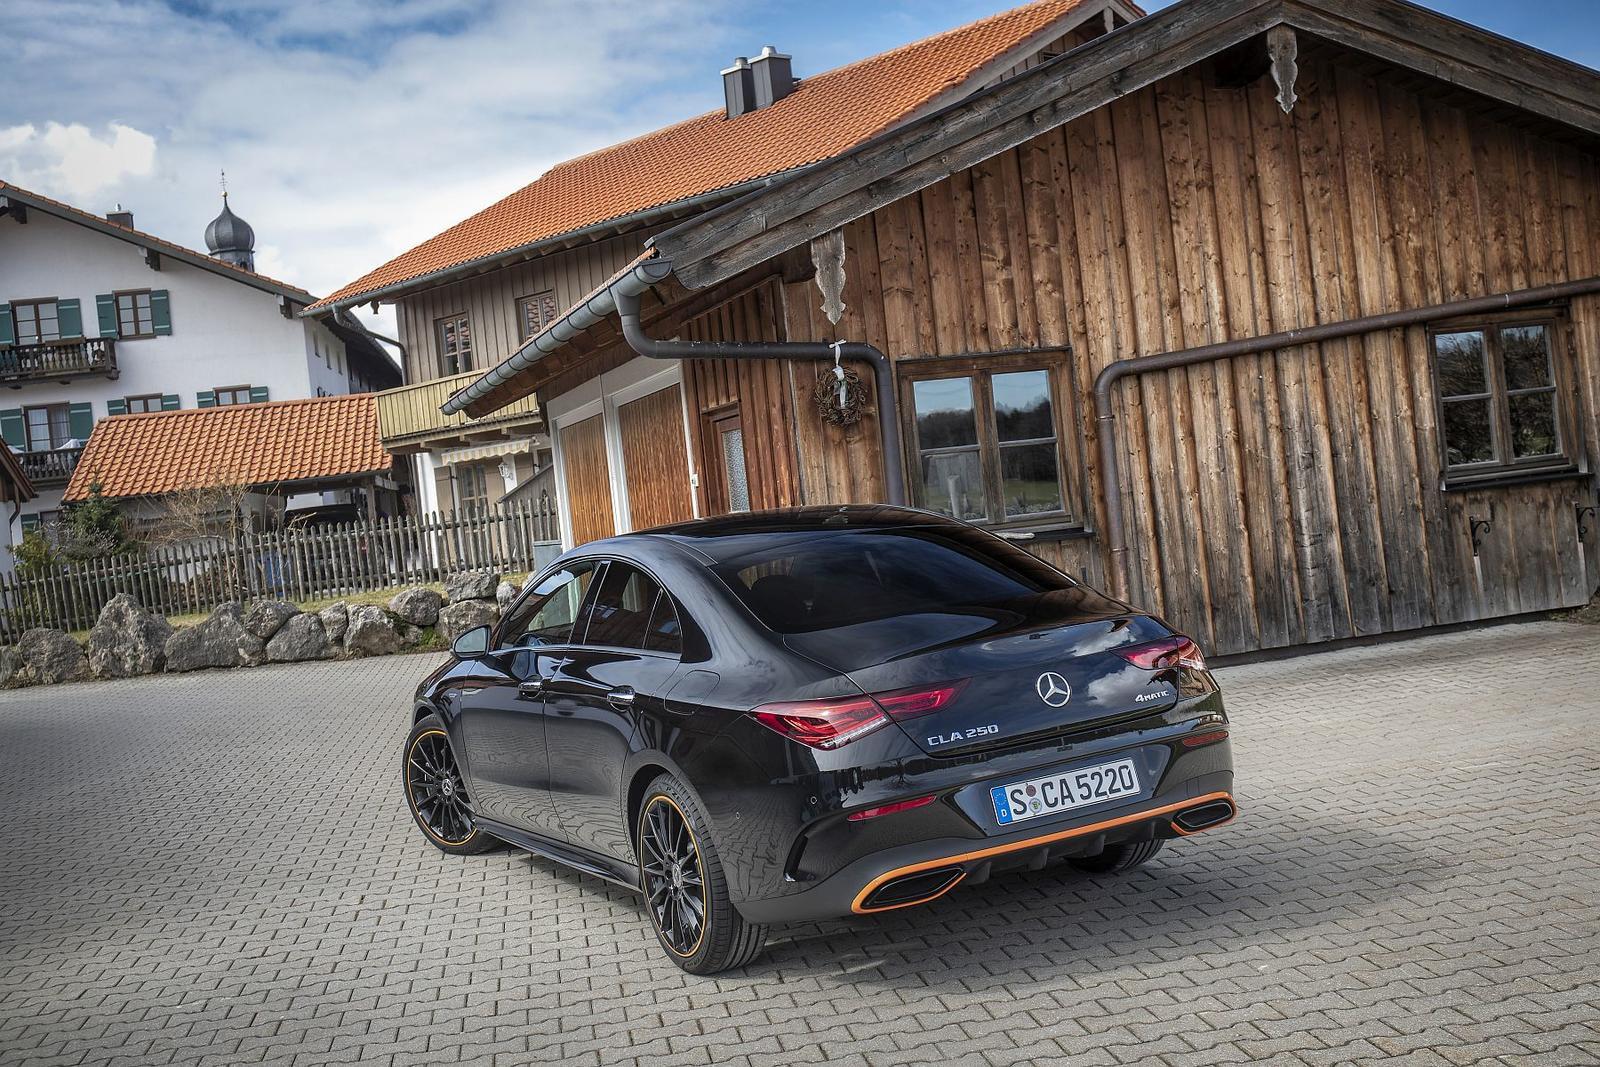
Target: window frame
[(523, 302), (144, 399), (116, 303), (530, 592), (233, 390), (36, 303), (1505, 467), (462, 366), (586, 612), (50, 410), (1056, 362), (465, 473)]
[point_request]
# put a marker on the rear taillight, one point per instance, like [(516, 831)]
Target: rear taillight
[(888, 809), (829, 724), (1174, 651), (825, 724), (905, 704)]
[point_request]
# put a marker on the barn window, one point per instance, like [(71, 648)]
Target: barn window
[(536, 312), (1500, 405), (455, 344), (985, 434)]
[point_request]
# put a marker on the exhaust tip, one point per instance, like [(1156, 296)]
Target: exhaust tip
[(1204, 816), (913, 888)]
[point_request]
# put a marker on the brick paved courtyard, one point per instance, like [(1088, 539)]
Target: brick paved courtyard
[(218, 868)]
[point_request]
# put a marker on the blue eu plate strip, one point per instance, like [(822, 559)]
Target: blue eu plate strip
[(1002, 810)]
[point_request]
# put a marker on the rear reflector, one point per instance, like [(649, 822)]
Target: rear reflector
[(888, 809), (1174, 651), (1197, 740), (829, 724)]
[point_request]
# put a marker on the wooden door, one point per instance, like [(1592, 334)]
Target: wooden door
[(655, 459), (588, 478), (727, 483)]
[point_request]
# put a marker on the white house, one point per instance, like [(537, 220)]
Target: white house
[(98, 318)]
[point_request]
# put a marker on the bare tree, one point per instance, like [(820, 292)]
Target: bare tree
[(217, 511)]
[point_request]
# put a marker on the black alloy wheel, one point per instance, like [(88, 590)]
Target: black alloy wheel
[(436, 791), (674, 877), (686, 892)]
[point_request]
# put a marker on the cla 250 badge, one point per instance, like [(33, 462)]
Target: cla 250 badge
[(963, 735)]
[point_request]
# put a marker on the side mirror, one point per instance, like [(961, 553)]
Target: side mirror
[(472, 644)]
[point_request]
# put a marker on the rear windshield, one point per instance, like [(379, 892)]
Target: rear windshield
[(807, 581)]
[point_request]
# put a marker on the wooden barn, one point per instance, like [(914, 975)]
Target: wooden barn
[(1280, 317)]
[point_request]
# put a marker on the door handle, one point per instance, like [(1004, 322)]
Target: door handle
[(622, 697), (530, 689)]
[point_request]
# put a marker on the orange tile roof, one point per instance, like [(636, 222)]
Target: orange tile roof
[(224, 268), (249, 444), (825, 115)]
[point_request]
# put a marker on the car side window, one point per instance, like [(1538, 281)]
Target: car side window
[(547, 615), (665, 633), (622, 611)]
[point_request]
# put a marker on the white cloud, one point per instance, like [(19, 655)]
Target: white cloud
[(73, 159)]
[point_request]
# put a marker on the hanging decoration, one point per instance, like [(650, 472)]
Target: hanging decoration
[(840, 394)]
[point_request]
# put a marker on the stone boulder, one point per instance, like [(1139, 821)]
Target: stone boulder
[(11, 668), (373, 632), (127, 640), (470, 585), (213, 643), (505, 593), (51, 656), (419, 607), (335, 620), (263, 618), (457, 618), (301, 638)]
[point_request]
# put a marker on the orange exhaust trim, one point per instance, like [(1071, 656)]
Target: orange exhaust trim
[(860, 908)]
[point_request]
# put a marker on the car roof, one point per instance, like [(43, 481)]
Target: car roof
[(715, 540)]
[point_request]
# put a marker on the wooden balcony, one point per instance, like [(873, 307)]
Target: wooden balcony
[(58, 360), (49, 469), (410, 421)]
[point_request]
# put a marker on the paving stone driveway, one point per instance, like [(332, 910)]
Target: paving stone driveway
[(217, 868)]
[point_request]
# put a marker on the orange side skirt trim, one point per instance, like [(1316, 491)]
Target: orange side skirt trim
[(1018, 846)]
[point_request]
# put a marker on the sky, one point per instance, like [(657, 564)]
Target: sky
[(351, 130)]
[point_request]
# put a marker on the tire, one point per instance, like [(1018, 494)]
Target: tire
[(1116, 858), (436, 792), (723, 939)]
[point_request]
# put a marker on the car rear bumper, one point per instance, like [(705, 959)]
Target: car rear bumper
[(922, 871)]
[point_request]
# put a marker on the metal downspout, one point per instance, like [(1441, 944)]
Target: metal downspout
[(1106, 419), (627, 305)]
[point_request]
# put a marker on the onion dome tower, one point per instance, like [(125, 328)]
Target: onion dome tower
[(230, 238)]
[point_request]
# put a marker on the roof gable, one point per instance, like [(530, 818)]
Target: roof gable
[(15, 194), (826, 114), (248, 444), (722, 242)]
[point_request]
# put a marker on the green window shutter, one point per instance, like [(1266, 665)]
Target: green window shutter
[(116, 407), (105, 305), (11, 428), (161, 311), (258, 394), (30, 523), (170, 402), (69, 318), (8, 336), (205, 399), (80, 421)]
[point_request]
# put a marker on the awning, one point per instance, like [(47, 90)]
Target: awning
[(511, 446)]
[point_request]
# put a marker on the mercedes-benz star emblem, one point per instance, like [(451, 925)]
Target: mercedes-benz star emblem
[(1053, 689)]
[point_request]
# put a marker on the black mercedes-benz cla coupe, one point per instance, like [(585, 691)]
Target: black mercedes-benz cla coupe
[(797, 714)]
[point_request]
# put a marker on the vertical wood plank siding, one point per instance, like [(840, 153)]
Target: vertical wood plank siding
[(653, 459), (490, 302), (1280, 499)]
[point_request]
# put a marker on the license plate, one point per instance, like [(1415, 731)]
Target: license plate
[(1064, 791)]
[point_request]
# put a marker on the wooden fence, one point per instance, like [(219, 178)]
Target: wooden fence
[(332, 560)]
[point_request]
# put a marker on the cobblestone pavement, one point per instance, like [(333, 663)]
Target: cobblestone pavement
[(217, 868)]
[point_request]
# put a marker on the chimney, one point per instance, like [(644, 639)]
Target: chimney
[(120, 217), (774, 76), (738, 88)]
